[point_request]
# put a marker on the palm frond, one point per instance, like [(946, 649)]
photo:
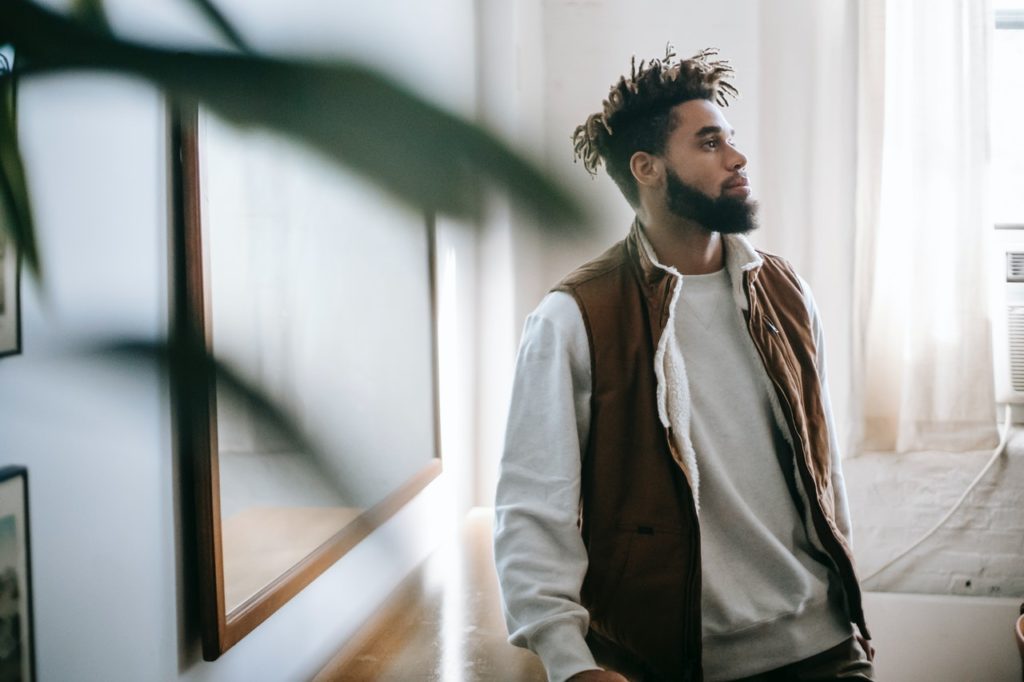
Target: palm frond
[(352, 115), (221, 23)]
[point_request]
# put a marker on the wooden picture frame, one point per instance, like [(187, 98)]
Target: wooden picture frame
[(17, 658), (10, 261), (10, 297), (196, 417)]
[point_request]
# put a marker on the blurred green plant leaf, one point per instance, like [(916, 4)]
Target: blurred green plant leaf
[(15, 207), (196, 371), (422, 154), (197, 376), (221, 23), (92, 14)]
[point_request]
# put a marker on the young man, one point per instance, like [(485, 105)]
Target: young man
[(670, 503)]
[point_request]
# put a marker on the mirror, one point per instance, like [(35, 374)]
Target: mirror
[(317, 288)]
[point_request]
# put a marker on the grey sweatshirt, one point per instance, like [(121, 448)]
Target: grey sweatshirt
[(765, 600)]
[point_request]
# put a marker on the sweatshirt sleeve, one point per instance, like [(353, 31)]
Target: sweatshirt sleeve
[(842, 505), (539, 552)]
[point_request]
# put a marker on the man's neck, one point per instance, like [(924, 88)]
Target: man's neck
[(685, 245)]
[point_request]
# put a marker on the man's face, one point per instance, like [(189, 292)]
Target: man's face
[(705, 173)]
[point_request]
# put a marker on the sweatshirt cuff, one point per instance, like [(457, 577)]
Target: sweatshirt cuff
[(563, 650)]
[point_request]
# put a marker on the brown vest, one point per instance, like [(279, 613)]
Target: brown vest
[(639, 522)]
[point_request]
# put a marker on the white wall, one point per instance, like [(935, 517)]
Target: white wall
[(510, 61), (109, 588), (96, 442)]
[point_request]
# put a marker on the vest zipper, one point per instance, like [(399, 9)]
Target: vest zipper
[(666, 300), (694, 594), (692, 627)]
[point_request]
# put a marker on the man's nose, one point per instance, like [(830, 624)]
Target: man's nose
[(737, 161)]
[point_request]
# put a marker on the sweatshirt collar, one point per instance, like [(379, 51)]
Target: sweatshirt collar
[(740, 257)]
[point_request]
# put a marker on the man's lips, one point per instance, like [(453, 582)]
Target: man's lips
[(738, 186)]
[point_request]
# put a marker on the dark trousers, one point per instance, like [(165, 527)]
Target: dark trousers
[(845, 661)]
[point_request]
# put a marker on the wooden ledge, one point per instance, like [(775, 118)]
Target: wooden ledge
[(444, 622)]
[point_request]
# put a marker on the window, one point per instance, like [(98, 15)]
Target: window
[(1007, 115)]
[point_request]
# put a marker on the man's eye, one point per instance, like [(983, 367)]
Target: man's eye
[(711, 144)]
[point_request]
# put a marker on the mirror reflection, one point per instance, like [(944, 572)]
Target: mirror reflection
[(318, 290)]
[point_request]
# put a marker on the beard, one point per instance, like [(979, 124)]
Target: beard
[(726, 214)]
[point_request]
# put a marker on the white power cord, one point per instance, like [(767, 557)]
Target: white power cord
[(1003, 440)]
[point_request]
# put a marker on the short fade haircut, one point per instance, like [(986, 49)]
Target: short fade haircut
[(637, 116)]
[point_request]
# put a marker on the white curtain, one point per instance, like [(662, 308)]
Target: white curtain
[(922, 368), (804, 169)]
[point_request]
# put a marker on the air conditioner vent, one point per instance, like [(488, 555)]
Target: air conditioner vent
[(1015, 329), (1015, 266)]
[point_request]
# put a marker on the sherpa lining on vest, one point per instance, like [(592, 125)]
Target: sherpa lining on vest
[(673, 386)]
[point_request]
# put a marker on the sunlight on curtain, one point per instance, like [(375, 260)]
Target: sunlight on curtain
[(924, 360), (804, 175)]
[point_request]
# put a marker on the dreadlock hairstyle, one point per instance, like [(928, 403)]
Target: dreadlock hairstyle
[(637, 114)]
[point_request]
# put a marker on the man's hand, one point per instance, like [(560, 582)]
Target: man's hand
[(597, 676), (864, 644)]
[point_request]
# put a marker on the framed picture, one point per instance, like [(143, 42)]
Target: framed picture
[(17, 654), (10, 303)]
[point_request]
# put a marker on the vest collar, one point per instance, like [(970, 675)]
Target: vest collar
[(740, 257)]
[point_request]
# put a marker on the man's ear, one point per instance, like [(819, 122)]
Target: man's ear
[(646, 168)]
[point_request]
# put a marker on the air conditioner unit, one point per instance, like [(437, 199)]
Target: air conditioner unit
[(1008, 318)]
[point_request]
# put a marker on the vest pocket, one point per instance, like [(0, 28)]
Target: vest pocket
[(613, 560), (644, 605)]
